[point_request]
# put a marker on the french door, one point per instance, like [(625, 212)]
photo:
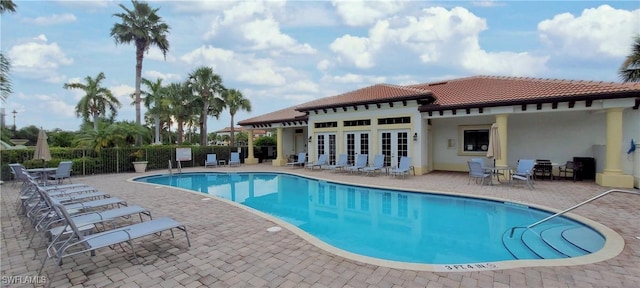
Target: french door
[(356, 143), (326, 144), (394, 145)]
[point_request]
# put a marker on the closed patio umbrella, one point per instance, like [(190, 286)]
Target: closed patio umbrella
[(42, 147), (493, 151)]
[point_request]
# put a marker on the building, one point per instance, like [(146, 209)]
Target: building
[(441, 125)]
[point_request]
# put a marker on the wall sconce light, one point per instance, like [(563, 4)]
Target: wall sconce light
[(415, 136), (310, 138)]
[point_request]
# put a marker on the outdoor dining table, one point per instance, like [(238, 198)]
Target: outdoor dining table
[(43, 173), (499, 170)]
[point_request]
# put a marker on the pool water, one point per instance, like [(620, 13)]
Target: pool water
[(395, 225)]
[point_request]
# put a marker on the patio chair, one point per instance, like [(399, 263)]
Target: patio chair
[(543, 169), (234, 160), (341, 163), (378, 164), (212, 160), (524, 172), (63, 172), (403, 168), (78, 243), (361, 162), (301, 161), (322, 160), (479, 173), (568, 170), (21, 174)]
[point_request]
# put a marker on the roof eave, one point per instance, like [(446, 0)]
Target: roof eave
[(556, 99), (428, 97)]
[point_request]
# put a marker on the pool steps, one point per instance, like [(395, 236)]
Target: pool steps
[(552, 242)]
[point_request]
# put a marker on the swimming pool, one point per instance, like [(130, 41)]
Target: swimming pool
[(395, 225)]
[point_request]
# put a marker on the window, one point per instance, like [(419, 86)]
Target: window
[(397, 120), (350, 123), (326, 124), (473, 140)]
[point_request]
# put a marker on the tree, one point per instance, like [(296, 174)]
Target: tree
[(96, 99), (234, 101), (630, 69), (144, 28), (7, 5), (179, 101), (205, 85), (5, 64), (119, 134), (152, 101)]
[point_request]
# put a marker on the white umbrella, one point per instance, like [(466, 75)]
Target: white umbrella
[(42, 147), (493, 151)]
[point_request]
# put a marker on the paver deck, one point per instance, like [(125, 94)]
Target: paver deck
[(232, 248)]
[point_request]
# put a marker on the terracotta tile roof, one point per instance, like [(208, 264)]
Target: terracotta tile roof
[(283, 115), (379, 93), (494, 91)]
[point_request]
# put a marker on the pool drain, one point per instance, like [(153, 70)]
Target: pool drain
[(274, 229)]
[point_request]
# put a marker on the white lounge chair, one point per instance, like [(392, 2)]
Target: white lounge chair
[(341, 163), (78, 243), (403, 167), (301, 161), (322, 160), (361, 162), (212, 160), (378, 164), (234, 160)]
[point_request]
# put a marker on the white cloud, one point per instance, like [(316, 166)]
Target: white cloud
[(154, 53), (438, 37), (52, 19), (265, 34), (324, 65), (351, 78), (363, 12), (354, 50), (602, 31), (166, 77), (254, 22), (37, 59), (241, 67)]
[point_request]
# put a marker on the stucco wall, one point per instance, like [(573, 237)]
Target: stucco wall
[(545, 135)]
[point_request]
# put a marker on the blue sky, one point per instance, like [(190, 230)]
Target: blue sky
[(279, 54)]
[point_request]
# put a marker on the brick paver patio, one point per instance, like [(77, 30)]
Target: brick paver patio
[(232, 248)]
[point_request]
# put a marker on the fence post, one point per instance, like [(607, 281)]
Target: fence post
[(84, 162)]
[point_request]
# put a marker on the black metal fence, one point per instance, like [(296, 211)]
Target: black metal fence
[(119, 160)]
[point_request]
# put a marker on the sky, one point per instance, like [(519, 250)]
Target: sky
[(283, 53)]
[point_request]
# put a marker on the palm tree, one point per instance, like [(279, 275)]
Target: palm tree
[(205, 85), (5, 81), (96, 99), (5, 65), (630, 69), (152, 101), (144, 28), (179, 101), (7, 5), (234, 101)]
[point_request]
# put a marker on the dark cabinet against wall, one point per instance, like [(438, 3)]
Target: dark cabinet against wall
[(587, 170)]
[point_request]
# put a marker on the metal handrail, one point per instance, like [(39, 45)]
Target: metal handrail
[(572, 208)]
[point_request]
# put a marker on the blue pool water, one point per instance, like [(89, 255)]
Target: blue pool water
[(394, 225)]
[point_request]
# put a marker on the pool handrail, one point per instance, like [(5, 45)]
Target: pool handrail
[(513, 229)]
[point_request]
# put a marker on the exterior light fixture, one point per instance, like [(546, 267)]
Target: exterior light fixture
[(415, 136), (310, 138)]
